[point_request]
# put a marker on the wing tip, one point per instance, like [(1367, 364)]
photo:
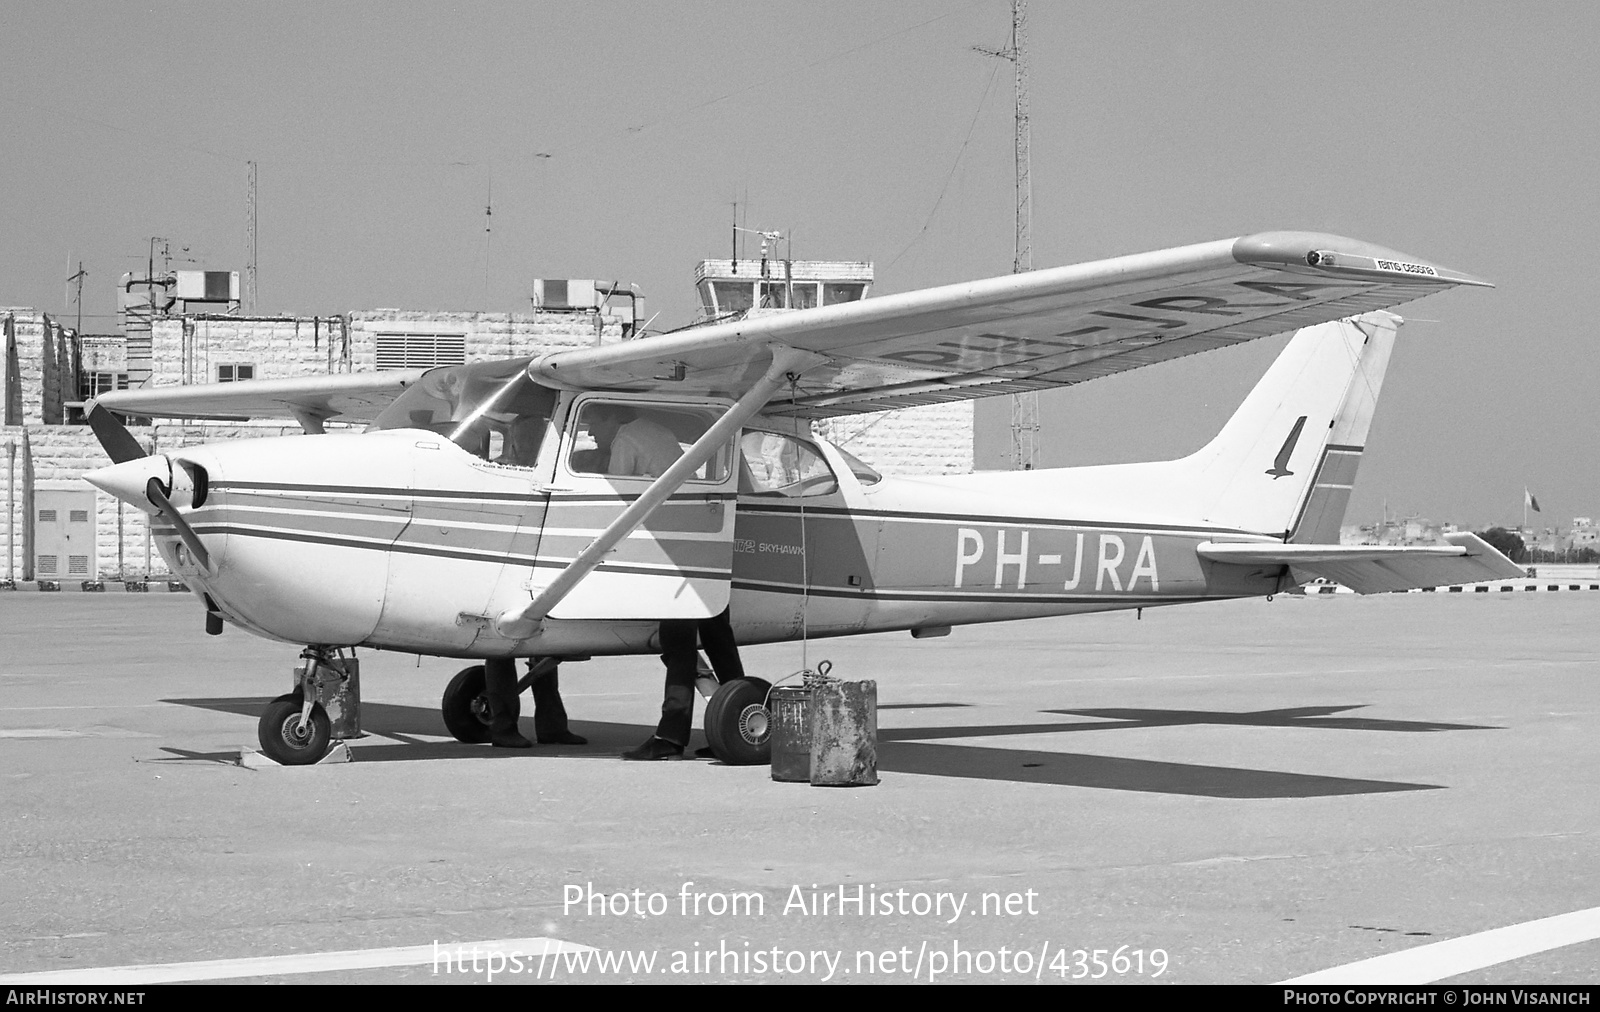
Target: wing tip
[(1321, 253)]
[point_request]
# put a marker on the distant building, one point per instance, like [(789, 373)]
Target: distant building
[(1407, 531), (1547, 539), (1584, 534)]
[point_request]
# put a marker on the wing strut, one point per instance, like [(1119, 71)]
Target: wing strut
[(521, 623)]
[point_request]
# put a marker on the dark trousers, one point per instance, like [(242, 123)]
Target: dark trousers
[(500, 685), (680, 642)]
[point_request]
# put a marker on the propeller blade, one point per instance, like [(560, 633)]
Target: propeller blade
[(114, 437)]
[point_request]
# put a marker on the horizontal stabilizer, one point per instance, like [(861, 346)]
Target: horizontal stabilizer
[(1374, 569)]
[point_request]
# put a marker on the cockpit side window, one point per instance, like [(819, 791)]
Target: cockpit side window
[(773, 464), (490, 409), (636, 439)]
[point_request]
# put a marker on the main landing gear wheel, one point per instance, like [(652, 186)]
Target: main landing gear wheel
[(738, 726), (284, 739), (466, 706)]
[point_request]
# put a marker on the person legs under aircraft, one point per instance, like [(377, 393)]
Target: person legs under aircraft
[(500, 685), (549, 713), (680, 654)]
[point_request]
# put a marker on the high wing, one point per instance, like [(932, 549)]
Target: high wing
[(310, 399), (1372, 569), (1043, 329), (1033, 331)]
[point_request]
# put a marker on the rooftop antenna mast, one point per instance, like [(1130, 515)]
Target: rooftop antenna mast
[(488, 236), (1024, 406), (769, 246), (78, 277)]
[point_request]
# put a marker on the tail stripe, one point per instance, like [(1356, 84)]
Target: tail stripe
[(1324, 507)]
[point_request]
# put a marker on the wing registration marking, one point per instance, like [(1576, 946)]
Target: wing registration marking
[(1113, 328)]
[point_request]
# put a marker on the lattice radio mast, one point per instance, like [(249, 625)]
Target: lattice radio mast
[(249, 292), (1024, 406)]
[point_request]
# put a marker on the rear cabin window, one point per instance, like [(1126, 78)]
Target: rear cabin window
[(773, 464), (865, 473)]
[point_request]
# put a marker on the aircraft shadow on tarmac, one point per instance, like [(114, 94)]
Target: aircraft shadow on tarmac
[(912, 750)]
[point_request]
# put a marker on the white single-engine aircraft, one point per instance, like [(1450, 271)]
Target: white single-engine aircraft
[(484, 513)]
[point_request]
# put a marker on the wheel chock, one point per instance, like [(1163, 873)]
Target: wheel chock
[(252, 759)]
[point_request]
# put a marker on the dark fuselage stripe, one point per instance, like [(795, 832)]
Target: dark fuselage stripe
[(426, 493), (954, 597), (445, 553), (835, 513)]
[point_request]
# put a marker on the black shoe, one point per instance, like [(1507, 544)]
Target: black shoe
[(654, 750), (510, 739), (705, 752), (562, 738)]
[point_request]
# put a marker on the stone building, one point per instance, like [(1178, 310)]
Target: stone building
[(39, 368)]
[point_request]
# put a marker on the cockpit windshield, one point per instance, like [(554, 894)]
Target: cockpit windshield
[(490, 409)]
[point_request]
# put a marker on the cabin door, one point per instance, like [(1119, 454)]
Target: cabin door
[(679, 562)]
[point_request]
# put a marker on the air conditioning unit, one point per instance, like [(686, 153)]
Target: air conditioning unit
[(208, 286), (565, 294)]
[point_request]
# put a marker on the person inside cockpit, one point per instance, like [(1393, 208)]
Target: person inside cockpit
[(523, 438)]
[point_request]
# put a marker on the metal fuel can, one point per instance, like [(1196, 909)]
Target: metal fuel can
[(790, 707), (844, 734)]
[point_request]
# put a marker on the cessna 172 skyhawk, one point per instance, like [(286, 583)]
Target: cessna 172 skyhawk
[(483, 513)]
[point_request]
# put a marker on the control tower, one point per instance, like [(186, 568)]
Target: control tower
[(728, 287)]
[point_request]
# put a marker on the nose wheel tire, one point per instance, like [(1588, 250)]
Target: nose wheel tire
[(465, 706), (284, 739), (738, 726)]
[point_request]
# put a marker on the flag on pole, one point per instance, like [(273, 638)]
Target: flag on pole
[(1528, 500)]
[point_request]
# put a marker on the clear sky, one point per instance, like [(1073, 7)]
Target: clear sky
[(616, 136)]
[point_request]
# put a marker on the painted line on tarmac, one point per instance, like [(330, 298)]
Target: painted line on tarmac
[(95, 731), (97, 706), (1426, 964), (450, 954)]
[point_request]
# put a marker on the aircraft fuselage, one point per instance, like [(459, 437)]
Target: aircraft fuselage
[(403, 541)]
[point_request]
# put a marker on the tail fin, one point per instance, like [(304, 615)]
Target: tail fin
[(1287, 458)]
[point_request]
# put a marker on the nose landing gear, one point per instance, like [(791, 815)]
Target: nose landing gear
[(296, 729), (293, 732)]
